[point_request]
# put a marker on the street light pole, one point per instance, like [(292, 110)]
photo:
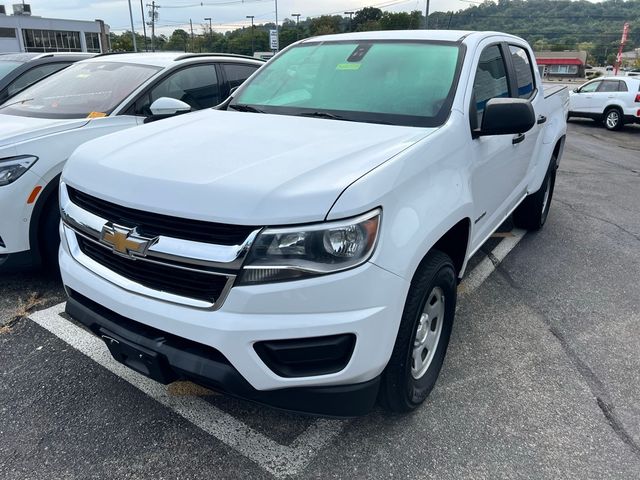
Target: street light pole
[(133, 32), (252, 49), (350, 19), (277, 29), (144, 27), (297, 15), (426, 17)]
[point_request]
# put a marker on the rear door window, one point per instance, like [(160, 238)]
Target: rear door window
[(32, 76), (523, 71), (609, 86)]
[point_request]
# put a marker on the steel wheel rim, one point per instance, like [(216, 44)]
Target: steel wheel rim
[(545, 199), (428, 333), (612, 119)]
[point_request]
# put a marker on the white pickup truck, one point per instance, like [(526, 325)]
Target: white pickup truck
[(300, 245)]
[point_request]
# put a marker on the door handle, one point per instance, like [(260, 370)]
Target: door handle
[(541, 119), (518, 138)]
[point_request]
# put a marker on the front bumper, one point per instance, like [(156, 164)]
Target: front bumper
[(366, 302), (166, 358)]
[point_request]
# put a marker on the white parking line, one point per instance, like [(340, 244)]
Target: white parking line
[(279, 460), (479, 274)]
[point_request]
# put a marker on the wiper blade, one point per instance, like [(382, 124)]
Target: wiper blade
[(16, 103), (323, 115), (245, 108)]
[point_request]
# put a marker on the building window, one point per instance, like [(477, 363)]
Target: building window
[(563, 69), (51, 41), (93, 42), (7, 33)]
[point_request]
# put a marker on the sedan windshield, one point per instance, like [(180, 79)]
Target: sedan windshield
[(83, 89), (392, 82), (7, 67)]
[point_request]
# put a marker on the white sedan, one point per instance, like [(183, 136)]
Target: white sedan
[(41, 126), (612, 100)]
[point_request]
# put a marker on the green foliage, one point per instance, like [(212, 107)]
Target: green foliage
[(546, 24)]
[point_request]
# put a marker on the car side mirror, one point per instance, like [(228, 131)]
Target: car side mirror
[(504, 116), (576, 90), (166, 107)]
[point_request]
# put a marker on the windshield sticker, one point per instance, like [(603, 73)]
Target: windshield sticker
[(96, 115), (348, 66), (358, 54)]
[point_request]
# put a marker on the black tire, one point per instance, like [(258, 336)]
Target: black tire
[(400, 392), (613, 119), (532, 213), (49, 234)]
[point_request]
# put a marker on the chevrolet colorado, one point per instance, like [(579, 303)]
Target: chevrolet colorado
[(300, 244)]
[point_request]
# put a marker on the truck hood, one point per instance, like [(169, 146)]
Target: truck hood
[(15, 129), (235, 167)]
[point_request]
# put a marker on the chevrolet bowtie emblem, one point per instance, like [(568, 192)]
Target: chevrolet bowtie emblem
[(125, 241)]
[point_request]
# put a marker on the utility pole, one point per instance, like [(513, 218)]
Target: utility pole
[(154, 16), (144, 27), (297, 15), (426, 17), (210, 30), (252, 48), (133, 31), (350, 19), (192, 44)]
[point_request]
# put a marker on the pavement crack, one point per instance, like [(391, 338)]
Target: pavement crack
[(597, 389), (604, 220)]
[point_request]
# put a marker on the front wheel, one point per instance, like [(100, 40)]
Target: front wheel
[(423, 336), (532, 213)]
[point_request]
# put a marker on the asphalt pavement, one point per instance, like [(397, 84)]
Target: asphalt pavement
[(542, 377)]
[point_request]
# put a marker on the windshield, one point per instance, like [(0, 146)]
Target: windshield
[(395, 82), (83, 89), (7, 67)]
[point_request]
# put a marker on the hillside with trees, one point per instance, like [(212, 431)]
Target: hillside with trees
[(546, 24)]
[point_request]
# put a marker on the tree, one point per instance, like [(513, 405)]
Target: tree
[(367, 15), (179, 40)]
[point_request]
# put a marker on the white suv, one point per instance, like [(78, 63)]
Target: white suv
[(612, 100), (42, 125)]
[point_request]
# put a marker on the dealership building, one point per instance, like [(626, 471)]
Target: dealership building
[(22, 32)]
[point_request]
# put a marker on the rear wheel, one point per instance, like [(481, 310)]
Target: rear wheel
[(423, 336), (613, 119), (532, 213)]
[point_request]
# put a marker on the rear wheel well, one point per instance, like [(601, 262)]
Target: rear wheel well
[(454, 243)]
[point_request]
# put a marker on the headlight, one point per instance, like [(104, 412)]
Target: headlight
[(299, 252), (12, 168)]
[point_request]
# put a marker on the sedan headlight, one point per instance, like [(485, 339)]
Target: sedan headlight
[(299, 252), (12, 168)]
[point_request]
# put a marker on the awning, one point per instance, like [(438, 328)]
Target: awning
[(559, 61)]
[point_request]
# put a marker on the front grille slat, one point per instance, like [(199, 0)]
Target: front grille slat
[(155, 224), (164, 278)]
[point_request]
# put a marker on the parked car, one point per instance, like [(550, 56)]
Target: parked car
[(303, 248), (613, 101), (40, 127), (20, 70)]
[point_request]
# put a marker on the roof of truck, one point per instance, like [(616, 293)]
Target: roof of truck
[(435, 35)]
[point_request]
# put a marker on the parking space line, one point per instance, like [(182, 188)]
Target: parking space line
[(479, 274), (279, 460)]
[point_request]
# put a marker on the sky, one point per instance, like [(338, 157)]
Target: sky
[(225, 14)]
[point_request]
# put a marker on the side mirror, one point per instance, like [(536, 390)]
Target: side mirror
[(166, 106), (504, 116), (576, 90)]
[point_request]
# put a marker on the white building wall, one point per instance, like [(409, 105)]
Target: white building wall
[(21, 22)]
